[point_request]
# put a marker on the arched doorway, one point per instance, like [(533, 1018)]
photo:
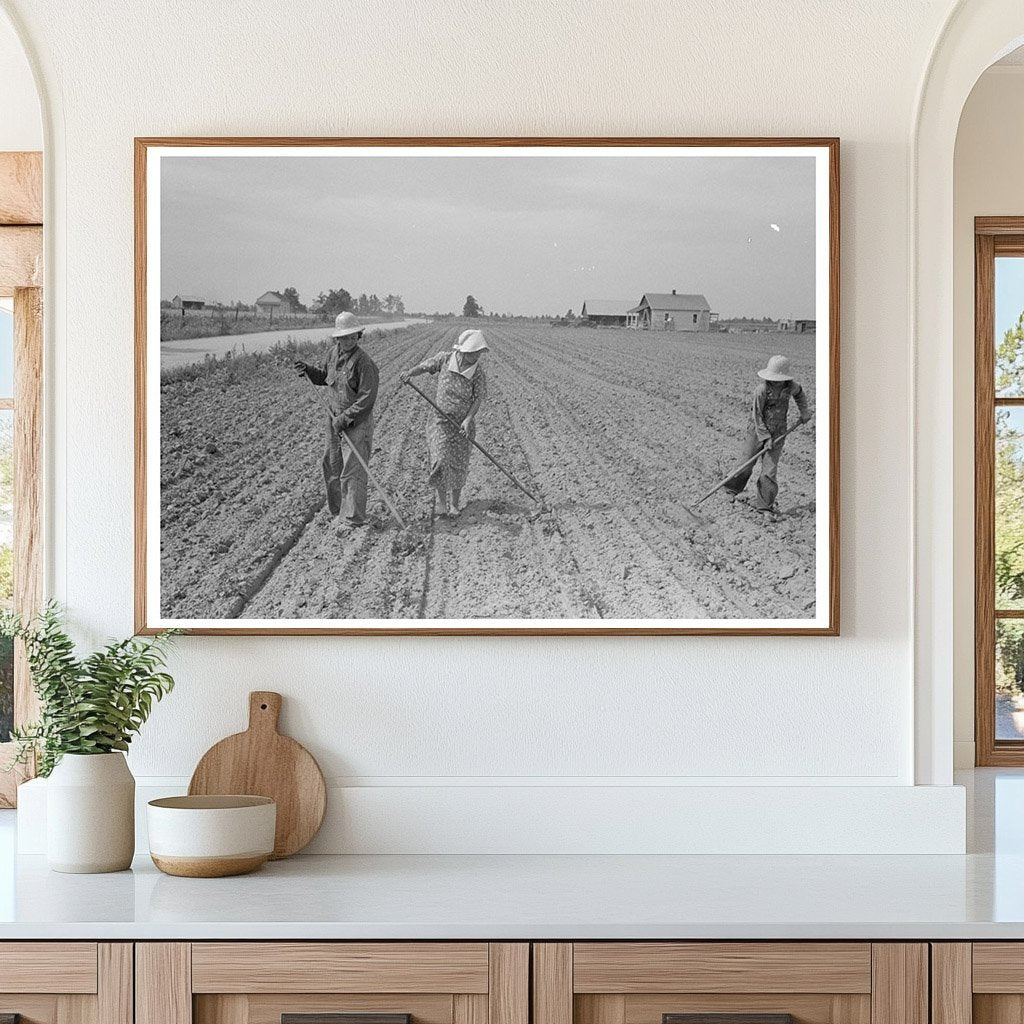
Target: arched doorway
[(976, 34), (21, 251)]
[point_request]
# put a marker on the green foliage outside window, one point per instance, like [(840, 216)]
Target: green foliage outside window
[(1009, 511)]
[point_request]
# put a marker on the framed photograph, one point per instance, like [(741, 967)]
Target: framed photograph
[(498, 386)]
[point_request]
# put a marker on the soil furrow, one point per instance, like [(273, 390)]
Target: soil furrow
[(616, 430)]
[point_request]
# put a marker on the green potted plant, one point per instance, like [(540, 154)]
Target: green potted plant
[(90, 708)]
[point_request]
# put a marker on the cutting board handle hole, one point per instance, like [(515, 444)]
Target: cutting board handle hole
[(263, 707)]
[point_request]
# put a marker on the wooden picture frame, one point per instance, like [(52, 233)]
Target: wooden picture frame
[(151, 153)]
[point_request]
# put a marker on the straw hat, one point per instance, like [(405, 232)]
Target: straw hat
[(472, 341), (346, 324), (777, 369)]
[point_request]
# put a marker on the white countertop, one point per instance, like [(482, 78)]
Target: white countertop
[(977, 896), (517, 897)]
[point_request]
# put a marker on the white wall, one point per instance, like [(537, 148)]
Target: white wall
[(987, 181), (457, 712), (21, 127)]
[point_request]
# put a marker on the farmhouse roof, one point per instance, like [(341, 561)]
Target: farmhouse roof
[(270, 299), (607, 307), (670, 300), (189, 298)]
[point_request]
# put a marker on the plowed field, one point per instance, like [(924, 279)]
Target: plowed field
[(616, 430)]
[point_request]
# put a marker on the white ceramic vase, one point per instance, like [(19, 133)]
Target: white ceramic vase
[(90, 814)]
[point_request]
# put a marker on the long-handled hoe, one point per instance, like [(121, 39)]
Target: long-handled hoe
[(721, 483), (483, 451)]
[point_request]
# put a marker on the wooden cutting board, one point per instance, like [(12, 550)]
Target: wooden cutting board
[(262, 762)]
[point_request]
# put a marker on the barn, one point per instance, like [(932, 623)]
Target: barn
[(272, 304), (188, 302), (669, 311), (607, 312)]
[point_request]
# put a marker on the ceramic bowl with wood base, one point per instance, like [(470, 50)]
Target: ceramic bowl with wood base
[(211, 836)]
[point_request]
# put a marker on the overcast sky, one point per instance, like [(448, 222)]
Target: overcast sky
[(522, 234)]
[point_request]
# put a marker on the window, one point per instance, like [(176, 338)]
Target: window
[(21, 365), (6, 515), (20, 500), (999, 491), (694, 317)]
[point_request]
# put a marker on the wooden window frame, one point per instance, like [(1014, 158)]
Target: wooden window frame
[(993, 237), (21, 278)]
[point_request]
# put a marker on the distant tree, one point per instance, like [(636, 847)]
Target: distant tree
[(472, 307), (570, 315), (333, 302), (1010, 360), (166, 304), (399, 305), (375, 305), (292, 296)]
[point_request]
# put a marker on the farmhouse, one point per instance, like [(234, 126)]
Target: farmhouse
[(798, 326), (661, 311), (272, 304), (188, 302), (607, 312)]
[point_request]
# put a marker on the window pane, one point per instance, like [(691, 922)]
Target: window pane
[(1009, 679), (6, 353), (1009, 319), (1009, 539), (6, 567)]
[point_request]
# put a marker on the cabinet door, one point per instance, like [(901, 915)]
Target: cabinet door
[(65, 983), (980, 982), (730, 983), (332, 983)]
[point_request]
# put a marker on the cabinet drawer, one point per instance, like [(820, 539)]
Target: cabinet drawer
[(730, 983), (998, 967), (634, 967), (340, 967), (332, 983), (66, 982), (65, 967)]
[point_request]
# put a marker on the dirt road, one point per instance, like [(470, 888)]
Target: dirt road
[(618, 432), (194, 350)]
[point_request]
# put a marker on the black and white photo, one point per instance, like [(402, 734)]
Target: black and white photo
[(454, 386)]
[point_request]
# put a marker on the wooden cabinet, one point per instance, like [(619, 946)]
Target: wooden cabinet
[(494, 983), (306, 982), (66, 982), (978, 983), (754, 982)]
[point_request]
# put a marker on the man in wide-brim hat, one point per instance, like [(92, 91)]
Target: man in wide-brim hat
[(351, 378), (769, 415)]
